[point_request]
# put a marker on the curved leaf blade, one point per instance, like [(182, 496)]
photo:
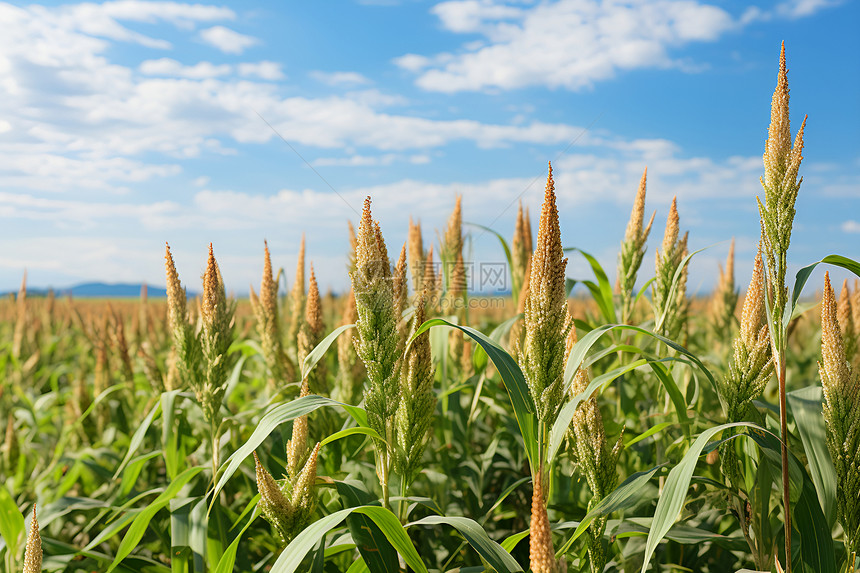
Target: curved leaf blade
[(491, 551)]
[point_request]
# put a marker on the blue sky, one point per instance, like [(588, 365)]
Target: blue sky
[(127, 124)]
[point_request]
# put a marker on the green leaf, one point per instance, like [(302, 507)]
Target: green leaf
[(581, 348), (510, 542), (320, 349), (138, 436), (291, 558), (803, 275), (646, 434), (374, 548), (488, 549), (515, 289), (273, 419), (675, 490), (141, 521), (225, 564), (351, 432), (659, 320), (602, 292), (622, 497), (524, 408), (11, 522), (562, 422), (816, 544), (806, 409)]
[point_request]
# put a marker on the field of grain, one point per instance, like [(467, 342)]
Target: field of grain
[(409, 426)]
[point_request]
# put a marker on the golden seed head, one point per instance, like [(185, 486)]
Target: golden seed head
[(855, 307), (457, 288), (350, 314), (313, 307), (175, 293), (33, 551), (752, 315), (844, 311), (541, 552), (454, 234), (545, 315), (519, 230), (399, 285), (834, 367), (430, 284), (672, 228), (273, 502), (299, 285), (778, 145), (297, 446), (352, 239), (730, 264), (527, 231), (548, 263), (214, 301), (634, 225), (308, 476), (416, 254), (268, 287), (524, 292)]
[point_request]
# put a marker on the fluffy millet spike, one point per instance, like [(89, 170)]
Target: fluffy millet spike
[(637, 214), (670, 237), (313, 307), (270, 494), (454, 234), (545, 315), (311, 334), (527, 231), (429, 281), (844, 311), (303, 486), (418, 401), (33, 552), (297, 296), (401, 294), (855, 307), (842, 417), (176, 302), (297, 446), (778, 145), (268, 287), (541, 552), (273, 504), (834, 368), (376, 327), (754, 304), (213, 299), (416, 255)]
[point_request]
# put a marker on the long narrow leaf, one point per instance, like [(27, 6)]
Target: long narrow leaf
[(292, 557), (512, 376), (491, 551)]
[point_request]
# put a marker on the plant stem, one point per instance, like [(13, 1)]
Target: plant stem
[(404, 486), (783, 429), (214, 426)]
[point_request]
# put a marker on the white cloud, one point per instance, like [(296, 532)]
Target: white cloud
[(227, 40), (569, 43), (802, 8), (340, 78), (170, 67), (264, 70), (851, 226), (371, 160)]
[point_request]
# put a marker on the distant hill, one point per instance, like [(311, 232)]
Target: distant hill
[(101, 290)]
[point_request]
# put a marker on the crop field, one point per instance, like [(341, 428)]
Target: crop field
[(410, 425)]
